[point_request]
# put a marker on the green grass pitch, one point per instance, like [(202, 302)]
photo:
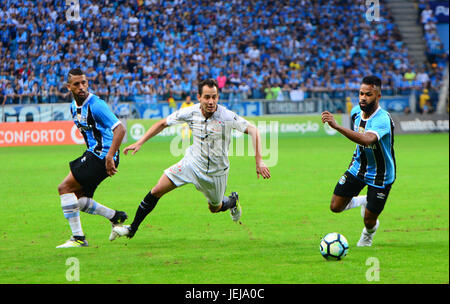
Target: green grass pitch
[(181, 242)]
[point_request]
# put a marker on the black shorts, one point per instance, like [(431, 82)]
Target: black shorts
[(350, 186), (89, 171)]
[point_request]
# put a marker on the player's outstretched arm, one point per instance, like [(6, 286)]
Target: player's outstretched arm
[(363, 139), (154, 130), (261, 168)]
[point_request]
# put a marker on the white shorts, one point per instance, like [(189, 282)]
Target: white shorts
[(213, 187)]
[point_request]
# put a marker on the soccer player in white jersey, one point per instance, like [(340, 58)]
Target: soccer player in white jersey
[(205, 163)]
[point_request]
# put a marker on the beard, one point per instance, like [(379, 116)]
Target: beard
[(80, 98), (81, 95), (368, 107)]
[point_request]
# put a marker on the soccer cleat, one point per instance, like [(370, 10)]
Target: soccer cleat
[(74, 242), (119, 217), (366, 237), (113, 235), (236, 211), (124, 230)]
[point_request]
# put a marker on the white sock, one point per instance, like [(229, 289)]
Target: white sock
[(90, 206), (356, 202), (69, 204)]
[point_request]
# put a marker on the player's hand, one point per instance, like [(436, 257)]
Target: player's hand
[(261, 169), (110, 166), (327, 117), (133, 147)]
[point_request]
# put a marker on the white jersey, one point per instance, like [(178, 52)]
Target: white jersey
[(211, 136)]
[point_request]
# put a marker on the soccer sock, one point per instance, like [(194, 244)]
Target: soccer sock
[(356, 202), (69, 204), (90, 206), (145, 207), (227, 203)]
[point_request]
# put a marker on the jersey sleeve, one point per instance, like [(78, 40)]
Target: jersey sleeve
[(104, 116), (179, 116), (239, 123), (380, 126)]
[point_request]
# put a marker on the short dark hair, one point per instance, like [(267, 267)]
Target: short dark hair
[(74, 72), (372, 80), (210, 82)]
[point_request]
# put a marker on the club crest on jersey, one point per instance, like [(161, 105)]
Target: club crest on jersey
[(81, 118), (342, 180), (216, 126), (361, 130), (84, 128)]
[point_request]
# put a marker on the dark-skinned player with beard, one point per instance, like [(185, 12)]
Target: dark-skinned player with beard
[(373, 163)]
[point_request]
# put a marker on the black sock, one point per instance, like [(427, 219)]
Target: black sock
[(146, 206), (228, 203)]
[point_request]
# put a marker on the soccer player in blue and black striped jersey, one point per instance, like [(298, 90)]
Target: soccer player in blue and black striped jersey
[(103, 133), (373, 162)]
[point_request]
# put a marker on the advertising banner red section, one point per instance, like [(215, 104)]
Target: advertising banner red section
[(39, 133)]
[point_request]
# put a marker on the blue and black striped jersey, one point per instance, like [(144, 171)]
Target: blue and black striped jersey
[(374, 164), (96, 122)]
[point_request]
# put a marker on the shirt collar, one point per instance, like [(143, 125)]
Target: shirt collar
[(373, 114)]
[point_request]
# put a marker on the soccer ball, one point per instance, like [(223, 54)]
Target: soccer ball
[(334, 246)]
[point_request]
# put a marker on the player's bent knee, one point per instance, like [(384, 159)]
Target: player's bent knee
[(69, 185), (163, 186), (335, 207), (338, 203), (60, 189), (63, 188), (155, 193), (158, 192)]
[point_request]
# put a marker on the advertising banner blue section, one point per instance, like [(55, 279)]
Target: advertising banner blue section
[(440, 10), (28, 112), (391, 104), (145, 110), (394, 104), (245, 108), (161, 110)]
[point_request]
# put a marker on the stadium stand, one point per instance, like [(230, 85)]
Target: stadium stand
[(159, 49), (437, 56)]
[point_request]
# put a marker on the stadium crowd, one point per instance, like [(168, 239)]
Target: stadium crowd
[(280, 50), (436, 55)]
